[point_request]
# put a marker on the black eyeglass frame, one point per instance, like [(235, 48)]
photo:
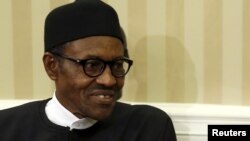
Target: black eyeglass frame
[(82, 62)]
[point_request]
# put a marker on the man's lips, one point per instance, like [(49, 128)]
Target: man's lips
[(104, 96)]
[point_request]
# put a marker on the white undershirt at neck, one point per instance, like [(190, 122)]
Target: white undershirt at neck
[(59, 115)]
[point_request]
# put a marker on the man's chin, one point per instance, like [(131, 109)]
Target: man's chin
[(103, 112)]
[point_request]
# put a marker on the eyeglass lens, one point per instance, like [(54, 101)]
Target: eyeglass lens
[(94, 67)]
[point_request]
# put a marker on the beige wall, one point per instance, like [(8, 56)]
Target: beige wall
[(183, 50)]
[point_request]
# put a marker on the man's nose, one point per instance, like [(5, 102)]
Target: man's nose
[(106, 78)]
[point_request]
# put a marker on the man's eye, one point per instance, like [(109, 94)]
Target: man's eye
[(118, 65), (93, 64)]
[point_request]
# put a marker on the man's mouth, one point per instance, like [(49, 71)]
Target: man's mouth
[(106, 97), (103, 96)]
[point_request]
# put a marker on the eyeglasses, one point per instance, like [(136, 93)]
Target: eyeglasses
[(95, 67)]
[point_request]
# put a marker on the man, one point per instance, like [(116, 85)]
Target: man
[(86, 58)]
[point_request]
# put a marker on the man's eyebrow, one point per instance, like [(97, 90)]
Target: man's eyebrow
[(99, 57)]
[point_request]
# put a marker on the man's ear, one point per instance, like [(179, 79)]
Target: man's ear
[(51, 65)]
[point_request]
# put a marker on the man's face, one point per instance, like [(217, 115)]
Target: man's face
[(86, 96)]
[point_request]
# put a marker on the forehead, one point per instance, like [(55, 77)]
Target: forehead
[(105, 47)]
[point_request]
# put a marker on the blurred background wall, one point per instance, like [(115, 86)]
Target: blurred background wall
[(184, 51)]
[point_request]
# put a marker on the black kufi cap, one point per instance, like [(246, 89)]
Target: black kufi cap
[(82, 18)]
